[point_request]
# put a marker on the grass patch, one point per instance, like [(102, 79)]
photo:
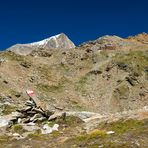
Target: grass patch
[(70, 121), (8, 109), (86, 138), (135, 60), (65, 67), (81, 84), (104, 53), (48, 88), (97, 134), (122, 92), (98, 137), (15, 93), (122, 126), (4, 139), (11, 56), (73, 121), (37, 134), (45, 72), (55, 134), (17, 128), (76, 106)]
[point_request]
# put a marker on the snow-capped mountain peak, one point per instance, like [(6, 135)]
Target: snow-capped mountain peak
[(44, 42), (60, 41), (57, 41)]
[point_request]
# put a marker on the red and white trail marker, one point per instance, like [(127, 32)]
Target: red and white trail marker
[(30, 92)]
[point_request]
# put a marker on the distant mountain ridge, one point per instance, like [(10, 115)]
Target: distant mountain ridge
[(60, 41)]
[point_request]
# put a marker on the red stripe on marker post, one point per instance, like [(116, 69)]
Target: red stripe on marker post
[(30, 92)]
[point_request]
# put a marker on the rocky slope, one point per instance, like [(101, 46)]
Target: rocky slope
[(105, 75)]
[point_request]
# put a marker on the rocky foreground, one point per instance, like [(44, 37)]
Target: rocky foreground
[(78, 129), (93, 95)]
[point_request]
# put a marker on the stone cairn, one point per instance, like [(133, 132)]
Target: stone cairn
[(35, 111)]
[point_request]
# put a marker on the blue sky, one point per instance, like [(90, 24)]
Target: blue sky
[(24, 21)]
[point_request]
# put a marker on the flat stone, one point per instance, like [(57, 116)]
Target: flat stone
[(16, 134), (31, 124), (16, 114), (30, 127), (29, 103), (110, 132), (47, 129), (35, 117), (40, 119), (3, 122), (54, 116), (19, 120)]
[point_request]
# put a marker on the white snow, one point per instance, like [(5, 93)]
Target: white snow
[(45, 41)]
